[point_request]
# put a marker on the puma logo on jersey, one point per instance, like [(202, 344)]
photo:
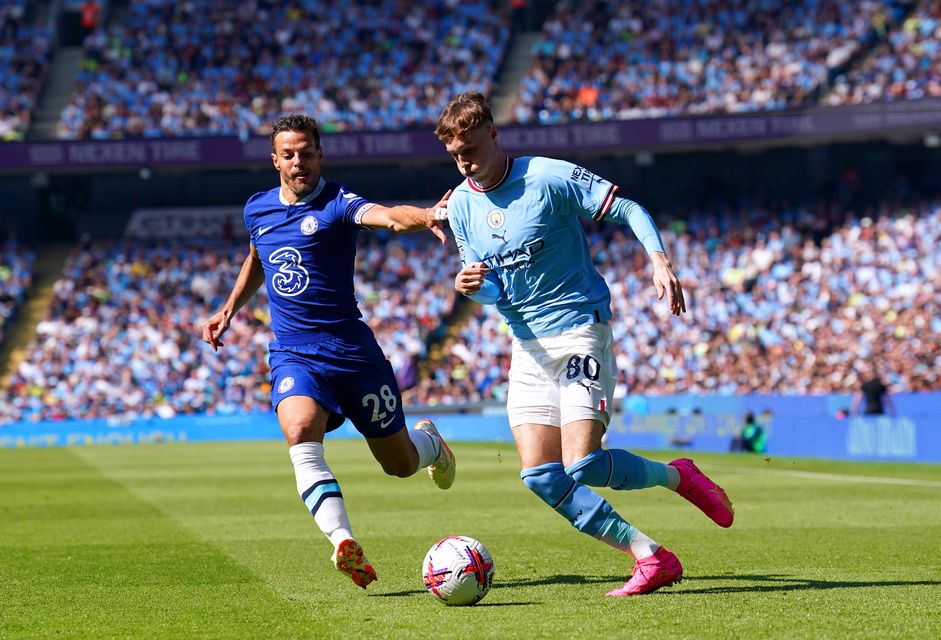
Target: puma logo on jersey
[(497, 236)]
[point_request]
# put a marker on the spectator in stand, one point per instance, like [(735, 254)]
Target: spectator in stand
[(116, 342), (200, 68), (91, 10), (906, 66), (16, 266), (611, 59), (771, 311), (24, 66)]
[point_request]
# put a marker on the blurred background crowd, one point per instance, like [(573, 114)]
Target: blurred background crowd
[(785, 295), (798, 300), (163, 68)]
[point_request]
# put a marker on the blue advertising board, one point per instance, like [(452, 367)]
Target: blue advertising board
[(809, 426)]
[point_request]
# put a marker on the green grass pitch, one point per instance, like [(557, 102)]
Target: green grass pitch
[(211, 540)]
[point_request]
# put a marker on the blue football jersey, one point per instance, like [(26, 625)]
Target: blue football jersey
[(526, 229), (308, 251)]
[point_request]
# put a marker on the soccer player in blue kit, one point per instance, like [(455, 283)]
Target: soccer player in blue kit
[(516, 223), (325, 362)]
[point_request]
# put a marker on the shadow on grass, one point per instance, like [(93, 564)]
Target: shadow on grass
[(783, 582), (416, 592), (755, 584), (558, 579), (564, 579)]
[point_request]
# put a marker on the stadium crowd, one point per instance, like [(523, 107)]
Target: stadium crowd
[(119, 338), (795, 301), (24, 66), (163, 68), (606, 59), (906, 66), (204, 67), (121, 341), (16, 277)]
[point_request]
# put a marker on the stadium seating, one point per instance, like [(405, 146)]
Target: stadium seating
[(24, 65), (906, 66), (200, 68), (167, 69), (790, 301), (16, 276), (769, 309), (122, 338), (610, 60), (405, 288)]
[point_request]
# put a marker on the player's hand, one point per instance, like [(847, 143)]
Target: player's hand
[(213, 329), (471, 278), (437, 216), (666, 282)]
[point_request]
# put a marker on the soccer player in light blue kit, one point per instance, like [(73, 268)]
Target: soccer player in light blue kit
[(516, 222), (325, 363)]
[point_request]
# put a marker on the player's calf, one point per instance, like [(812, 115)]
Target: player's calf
[(619, 469), (583, 508)]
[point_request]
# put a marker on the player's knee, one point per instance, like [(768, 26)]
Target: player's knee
[(297, 430), (548, 481), (593, 470)]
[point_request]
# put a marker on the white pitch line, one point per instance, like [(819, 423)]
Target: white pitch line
[(836, 477)]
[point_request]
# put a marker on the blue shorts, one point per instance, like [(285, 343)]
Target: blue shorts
[(345, 371)]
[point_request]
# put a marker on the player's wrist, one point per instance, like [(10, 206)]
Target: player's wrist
[(660, 259)]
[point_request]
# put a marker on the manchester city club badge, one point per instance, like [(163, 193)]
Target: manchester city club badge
[(495, 219)]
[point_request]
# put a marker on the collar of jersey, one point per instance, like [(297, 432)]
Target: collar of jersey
[(310, 196), (506, 172)]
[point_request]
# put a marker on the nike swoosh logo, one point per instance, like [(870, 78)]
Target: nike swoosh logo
[(383, 425), (264, 230)]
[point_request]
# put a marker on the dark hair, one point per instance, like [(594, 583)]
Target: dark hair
[(465, 113), (299, 123)]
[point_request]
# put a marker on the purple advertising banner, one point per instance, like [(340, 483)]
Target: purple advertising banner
[(820, 123)]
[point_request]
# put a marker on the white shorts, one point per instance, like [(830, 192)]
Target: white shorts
[(562, 378)]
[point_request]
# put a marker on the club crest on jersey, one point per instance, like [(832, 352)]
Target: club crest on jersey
[(286, 384), (309, 225), (495, 219)]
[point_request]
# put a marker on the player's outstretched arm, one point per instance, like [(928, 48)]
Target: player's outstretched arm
[(667, 283), (249, 279), (405, 218)]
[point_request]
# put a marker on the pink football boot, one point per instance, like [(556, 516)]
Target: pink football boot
[(653, 572), (703, 492)]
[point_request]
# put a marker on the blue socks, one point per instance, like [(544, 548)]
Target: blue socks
[(618, 469), (583, 508)]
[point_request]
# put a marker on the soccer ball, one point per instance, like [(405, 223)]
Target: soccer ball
[(458, 570)]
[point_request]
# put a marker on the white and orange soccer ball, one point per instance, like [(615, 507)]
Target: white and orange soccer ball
[(458, 570)]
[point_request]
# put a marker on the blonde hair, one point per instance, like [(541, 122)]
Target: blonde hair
[(465, 113)]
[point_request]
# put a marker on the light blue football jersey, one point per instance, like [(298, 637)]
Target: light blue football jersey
[(526, 229)]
